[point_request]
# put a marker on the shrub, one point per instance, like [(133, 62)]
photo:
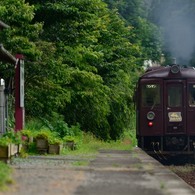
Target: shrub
[(55, 140), (44, 133), (57, 124), (5, 141), (14, 137)]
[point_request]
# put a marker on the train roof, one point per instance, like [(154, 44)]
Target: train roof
[(172, 71)]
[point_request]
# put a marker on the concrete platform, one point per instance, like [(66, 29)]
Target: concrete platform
[(130, 172), (110, 172)]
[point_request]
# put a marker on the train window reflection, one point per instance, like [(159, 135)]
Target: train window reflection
[(151, 95), (175, 96), (192, 95)]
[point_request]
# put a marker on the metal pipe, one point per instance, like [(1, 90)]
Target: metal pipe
[(174, 61)]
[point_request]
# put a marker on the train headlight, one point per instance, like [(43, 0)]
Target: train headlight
[(150, 115), (175, 69)]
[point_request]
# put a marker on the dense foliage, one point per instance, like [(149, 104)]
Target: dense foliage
[(81, 58), (147, 35)]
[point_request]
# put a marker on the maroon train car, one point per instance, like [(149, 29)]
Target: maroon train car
[(165, 105)]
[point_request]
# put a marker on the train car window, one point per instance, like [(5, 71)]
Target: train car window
[(175, 96), (151, 95), (192, 95)]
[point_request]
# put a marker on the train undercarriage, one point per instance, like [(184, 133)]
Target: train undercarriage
[(171, 145)]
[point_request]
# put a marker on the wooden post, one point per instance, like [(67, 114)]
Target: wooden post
[(19, 93)]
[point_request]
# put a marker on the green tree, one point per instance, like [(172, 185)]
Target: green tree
[(94, 43), (43, 91), (145, 33), (22, 34), (118, 69), (82, 65)]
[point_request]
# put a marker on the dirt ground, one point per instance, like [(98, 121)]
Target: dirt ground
[(110, 172)]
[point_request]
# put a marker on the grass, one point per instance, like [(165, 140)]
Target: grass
[(89, 145), (86, 143), (81, 163), (162, 185), (183, 169), (5, 176)]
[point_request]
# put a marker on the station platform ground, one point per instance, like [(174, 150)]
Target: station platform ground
[(110, 172), (131, 173)]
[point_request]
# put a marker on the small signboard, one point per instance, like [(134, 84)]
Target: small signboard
[(175, 116)]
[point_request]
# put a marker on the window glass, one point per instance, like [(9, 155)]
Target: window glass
[(151, 95), (175, 95), (192, 95)]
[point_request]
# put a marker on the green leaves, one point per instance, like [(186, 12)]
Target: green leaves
[(144, 32), (79, 61), (89, 101), (20, 37)]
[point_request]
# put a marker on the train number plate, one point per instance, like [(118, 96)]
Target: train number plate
[(175, 116)]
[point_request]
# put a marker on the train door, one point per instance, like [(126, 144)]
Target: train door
[(150, 109), (175, 108), (191, 108)]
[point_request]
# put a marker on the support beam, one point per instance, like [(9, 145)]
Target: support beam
[(5, 56), (3, 25)]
